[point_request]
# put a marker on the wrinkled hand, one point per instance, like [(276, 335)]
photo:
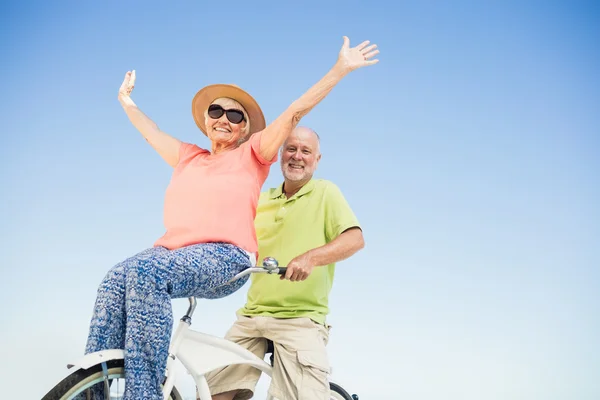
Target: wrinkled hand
[(299, 268), (357, 57), (127, 86)]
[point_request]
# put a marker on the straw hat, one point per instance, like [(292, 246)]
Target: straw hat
[(208, 94)]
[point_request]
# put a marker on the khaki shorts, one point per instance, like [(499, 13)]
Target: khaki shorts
[(300, 364)]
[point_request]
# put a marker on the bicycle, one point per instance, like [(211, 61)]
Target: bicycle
[(198, 354)]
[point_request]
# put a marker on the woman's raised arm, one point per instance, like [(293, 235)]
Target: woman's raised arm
[(167, 146), (348, 60)]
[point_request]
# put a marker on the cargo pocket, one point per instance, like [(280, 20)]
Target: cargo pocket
[(314, 372)]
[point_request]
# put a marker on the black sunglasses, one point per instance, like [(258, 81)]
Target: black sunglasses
[(234, 116)]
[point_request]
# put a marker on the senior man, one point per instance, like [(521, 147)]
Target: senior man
[(308, 226)]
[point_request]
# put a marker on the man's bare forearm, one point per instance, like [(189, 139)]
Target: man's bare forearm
[(341, 248)]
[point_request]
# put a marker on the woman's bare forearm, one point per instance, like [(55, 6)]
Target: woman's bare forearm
[(299, 108), (166, 145), (275, 134), (348, 60)]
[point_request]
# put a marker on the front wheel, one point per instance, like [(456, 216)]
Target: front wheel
[(338, 393), (78, 384)]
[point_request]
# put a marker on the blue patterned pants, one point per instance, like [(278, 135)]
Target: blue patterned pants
[(133, 307)]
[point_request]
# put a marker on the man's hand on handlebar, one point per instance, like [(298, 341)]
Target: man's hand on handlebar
[(299, 268)]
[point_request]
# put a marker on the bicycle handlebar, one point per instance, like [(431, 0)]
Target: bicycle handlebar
[(259, 270), (269, 266)]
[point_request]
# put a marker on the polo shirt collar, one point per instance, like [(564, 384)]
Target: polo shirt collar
[(278, 191)]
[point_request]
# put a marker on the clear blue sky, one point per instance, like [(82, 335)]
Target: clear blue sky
[(470, 154)]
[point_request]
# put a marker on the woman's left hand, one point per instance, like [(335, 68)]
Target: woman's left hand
[(357, 57)]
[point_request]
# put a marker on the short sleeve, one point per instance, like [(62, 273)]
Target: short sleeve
[(254, 143), (338, 214), (189, 151)]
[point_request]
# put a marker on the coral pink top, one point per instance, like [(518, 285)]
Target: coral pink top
[(213, 198)]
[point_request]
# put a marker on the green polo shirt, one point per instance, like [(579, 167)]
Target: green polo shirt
[(286, 228)]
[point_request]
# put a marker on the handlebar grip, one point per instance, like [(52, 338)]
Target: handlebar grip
[(282, 270)]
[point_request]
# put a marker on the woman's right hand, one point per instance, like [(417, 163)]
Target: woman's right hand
[(126, 88)]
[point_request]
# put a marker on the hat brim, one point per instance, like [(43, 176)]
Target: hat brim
[(208, 94)]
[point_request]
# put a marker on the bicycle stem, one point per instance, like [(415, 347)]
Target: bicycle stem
[(270, 266), (190, 311)]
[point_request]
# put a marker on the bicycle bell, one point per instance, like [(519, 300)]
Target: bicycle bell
[(270, 264)]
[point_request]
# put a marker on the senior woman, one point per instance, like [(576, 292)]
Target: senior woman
[(209, 211)]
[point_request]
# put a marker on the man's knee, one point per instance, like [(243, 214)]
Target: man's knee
[(314, 375), (301, 375), (301, 369)]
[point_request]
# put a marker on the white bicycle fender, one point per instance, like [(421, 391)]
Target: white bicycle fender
[(98, 357)]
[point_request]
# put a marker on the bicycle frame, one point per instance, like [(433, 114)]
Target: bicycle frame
[(200, 353)]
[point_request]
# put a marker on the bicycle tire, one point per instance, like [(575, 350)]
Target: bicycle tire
[(82, 378), (340, 391)]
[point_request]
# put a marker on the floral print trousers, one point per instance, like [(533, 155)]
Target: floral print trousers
[(133, 308)]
